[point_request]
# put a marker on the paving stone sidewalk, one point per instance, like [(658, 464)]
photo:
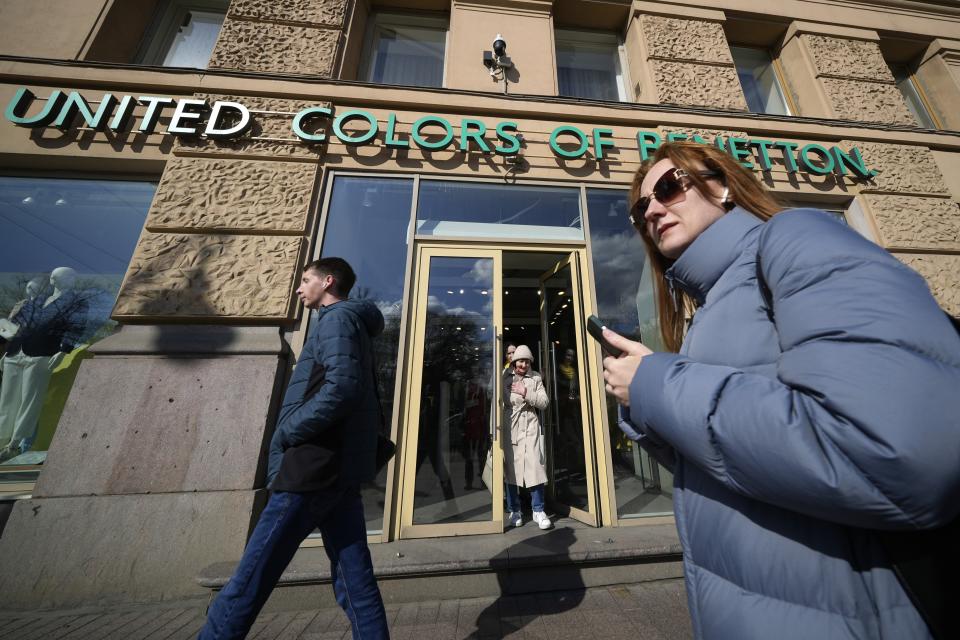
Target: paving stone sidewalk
[(645, 611)]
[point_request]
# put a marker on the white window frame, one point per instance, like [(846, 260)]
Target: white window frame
[(382, 19), (582, 36), (167, 24)]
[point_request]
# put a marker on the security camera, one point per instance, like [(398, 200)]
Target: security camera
[(499, 46)]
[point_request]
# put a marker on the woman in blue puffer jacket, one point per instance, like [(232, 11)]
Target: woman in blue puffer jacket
[(815, 400)]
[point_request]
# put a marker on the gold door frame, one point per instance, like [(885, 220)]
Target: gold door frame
[(575, 261), (411, 401), (408, 434)]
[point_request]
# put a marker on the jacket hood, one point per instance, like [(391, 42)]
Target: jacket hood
[(366, 310)]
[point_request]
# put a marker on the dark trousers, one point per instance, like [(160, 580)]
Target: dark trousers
[(286, 521)]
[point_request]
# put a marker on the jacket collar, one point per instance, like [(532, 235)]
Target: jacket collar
[(713, 251)]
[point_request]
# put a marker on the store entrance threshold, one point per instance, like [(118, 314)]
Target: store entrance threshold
[(569, 556)]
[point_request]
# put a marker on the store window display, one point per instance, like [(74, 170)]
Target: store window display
[(67, 247)]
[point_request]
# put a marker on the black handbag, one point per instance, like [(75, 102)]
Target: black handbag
[(927, 564)]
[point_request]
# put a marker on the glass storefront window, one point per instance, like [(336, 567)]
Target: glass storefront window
[(367, 225), (490, 210), (67, 245), (626, 304), (588, 65)]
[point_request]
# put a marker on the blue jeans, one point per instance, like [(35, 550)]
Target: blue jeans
[(285, 522), (513, 497)]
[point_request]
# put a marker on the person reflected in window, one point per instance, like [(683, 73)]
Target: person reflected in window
[(523, 449), (41, 332), (475, 424)]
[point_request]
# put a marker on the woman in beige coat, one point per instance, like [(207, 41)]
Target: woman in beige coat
[(524, 461)]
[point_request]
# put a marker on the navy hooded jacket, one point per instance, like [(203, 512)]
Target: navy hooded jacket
[(797, 426), (330, 415)]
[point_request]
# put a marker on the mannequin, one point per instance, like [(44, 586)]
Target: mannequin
[(43, 330)]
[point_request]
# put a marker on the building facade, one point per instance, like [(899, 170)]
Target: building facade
[(167, 166)]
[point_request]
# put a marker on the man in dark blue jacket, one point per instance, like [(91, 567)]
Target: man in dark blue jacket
[(324, 446)]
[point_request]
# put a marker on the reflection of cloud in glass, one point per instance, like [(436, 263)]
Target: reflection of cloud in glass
[(482, 272), (437, 306), (618, 267)]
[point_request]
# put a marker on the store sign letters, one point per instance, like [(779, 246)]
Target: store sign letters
[(228, 120)]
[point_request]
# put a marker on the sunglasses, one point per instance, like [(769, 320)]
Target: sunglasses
[(669, 189)]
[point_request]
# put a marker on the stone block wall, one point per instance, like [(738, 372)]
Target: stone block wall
[(227, 229), (293, 36), (915, 216), (687, 59), (855, 79)]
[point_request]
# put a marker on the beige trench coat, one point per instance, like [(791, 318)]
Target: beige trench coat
[(523, 461)]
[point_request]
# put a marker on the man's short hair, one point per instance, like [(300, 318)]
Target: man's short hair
[(340, 269)]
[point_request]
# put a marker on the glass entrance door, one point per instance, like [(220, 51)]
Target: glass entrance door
[(467, 304), (450, 459), (568, 417)]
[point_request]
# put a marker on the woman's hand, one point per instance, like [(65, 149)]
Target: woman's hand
[(519, 388), (618, 372)]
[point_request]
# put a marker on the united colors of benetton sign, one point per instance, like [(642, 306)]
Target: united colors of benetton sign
[(225, 120)]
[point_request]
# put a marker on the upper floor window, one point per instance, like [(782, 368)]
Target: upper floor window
[(405, 50), (913, 95), (758, 77), (185, 33), (589, 65)]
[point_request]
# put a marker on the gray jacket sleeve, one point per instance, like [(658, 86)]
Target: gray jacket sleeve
[(861, 425)]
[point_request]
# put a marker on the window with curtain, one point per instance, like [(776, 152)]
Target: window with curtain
[(185, 33), (589, 66), (758, 77), (406, 50), (908, 86)]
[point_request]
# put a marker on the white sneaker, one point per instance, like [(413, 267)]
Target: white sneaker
[(515, 519), (542, 520)]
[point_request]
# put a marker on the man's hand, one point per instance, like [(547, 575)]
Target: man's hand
[(618, 372), (519, 388)]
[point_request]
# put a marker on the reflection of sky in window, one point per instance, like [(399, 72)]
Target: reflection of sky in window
[(89, 225), (625, 299), (498, 204), (367, 226)]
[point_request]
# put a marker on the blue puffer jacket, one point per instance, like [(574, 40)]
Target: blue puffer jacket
[(794, 431), (331, 397)]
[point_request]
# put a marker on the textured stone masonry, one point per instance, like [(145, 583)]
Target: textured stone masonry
[(205, 276), (226, 194)]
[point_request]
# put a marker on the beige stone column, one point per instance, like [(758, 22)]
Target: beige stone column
[(939, 76), (282, 36), (227, 228), (679, 55), (915, 216), (839, 72)]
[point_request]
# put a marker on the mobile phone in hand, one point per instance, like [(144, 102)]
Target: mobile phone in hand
[(595, 328)]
